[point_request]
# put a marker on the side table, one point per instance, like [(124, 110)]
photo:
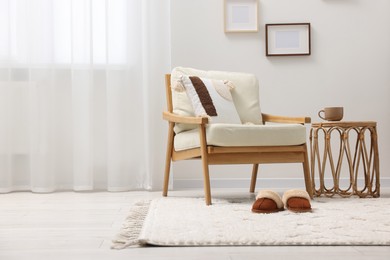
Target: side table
[(355, 158)]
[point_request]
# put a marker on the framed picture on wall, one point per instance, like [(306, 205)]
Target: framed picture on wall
[(287, 39), (240, 15)]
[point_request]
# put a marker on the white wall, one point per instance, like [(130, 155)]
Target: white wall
[(349, 65)]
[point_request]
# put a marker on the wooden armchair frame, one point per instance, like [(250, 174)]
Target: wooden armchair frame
[(214, 155)]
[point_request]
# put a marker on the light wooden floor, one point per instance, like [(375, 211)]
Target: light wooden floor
[(70, 225)]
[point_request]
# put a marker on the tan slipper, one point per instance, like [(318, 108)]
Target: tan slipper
[(267, 201), (297, 201)]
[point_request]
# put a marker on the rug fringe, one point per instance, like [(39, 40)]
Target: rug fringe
[(131, 229)]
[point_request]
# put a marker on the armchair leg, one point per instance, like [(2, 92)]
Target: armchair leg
[(306, 172), (168, 159), (206, 182), (254, 177), (166, 176), (205, 164)]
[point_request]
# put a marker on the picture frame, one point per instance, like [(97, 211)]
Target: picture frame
[(240, 16), (287, 39)]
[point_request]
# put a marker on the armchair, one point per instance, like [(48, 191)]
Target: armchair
[(251, 141)]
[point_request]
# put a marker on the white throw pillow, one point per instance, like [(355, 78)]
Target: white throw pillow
[(245, 95), (210, 98)]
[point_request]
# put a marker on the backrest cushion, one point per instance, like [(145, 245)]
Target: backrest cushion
[(245, 95)]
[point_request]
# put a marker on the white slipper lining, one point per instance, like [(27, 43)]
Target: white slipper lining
[(269, 194), (295, 193)]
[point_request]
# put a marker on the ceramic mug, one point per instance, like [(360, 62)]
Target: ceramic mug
[(332, 113)]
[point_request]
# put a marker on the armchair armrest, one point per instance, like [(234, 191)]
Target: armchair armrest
[(285, 119), (171, 117)]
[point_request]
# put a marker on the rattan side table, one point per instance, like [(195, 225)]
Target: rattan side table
[(355, 159)]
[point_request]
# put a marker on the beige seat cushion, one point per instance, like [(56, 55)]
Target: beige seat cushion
[(243, 135)]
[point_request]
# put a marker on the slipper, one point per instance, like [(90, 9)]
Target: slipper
[(267, 201), (297, 201)]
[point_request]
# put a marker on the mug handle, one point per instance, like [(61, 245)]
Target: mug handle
[(319, 114)]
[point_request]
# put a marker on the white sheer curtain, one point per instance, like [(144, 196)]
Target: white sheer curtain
[(75, 94)]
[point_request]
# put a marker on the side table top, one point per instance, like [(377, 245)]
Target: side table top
[(345, 124)]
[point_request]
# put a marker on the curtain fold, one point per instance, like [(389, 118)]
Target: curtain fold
[(75, 93)]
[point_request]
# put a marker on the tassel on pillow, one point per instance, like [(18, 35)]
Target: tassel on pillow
[(229, 84), (178, 86)]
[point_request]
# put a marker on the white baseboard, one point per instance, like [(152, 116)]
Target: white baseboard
[(268, 183)]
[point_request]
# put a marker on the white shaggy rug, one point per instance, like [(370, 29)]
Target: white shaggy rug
[(189, 222)]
